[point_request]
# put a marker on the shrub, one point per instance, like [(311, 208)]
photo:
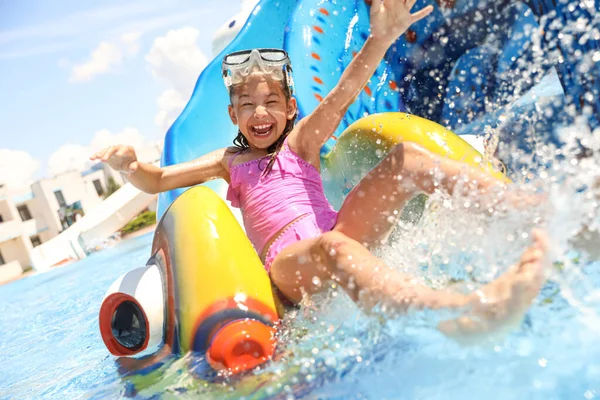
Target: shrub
[(146, 218), (111, 187)]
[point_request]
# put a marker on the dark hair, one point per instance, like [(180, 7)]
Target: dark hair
[(241, 144)]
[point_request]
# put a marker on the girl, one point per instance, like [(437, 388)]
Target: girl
[(273, 176)]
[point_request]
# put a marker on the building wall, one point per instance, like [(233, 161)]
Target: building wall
[(73, 188), (45, 236), (10, 271), (15, 250), (89, 179), (6, 210), (37, 224), (43, 206), (49, 212)]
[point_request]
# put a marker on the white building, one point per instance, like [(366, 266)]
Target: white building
[(33, 215)]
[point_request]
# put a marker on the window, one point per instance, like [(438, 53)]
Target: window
[(35, 241), (2, 262), (60, 198), (24, 212), (98, 186)]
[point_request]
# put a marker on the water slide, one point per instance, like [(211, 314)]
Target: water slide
[(476, 67)]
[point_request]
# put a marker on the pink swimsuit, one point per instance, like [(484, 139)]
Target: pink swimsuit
[(291, 191)]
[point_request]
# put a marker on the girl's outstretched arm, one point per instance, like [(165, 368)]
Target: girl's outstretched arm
[(152, 179), (389, 20)]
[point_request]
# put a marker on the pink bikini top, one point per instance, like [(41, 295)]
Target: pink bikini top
[(270, 202)]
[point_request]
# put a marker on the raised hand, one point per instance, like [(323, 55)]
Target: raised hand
[(120, 158), (391, 18)]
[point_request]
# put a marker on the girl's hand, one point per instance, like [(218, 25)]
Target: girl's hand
[(391, 18), (120, 158)]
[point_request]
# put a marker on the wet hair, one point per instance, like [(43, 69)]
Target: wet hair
[(241, 144)]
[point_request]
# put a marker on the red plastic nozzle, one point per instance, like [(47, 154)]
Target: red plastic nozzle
[(242, 345)]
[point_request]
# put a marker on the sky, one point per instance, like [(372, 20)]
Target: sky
[(79, 75)]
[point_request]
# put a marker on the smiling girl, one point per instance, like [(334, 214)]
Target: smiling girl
[(273, 175)]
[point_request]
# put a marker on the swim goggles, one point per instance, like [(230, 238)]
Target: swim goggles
[(238, 65)]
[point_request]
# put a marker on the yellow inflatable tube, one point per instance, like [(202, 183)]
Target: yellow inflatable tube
[(203, 290), (364, 143)]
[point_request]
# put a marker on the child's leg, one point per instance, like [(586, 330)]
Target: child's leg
[(306, 266), (373, 207)]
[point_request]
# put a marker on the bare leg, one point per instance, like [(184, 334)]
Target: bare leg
[(373, 207), (306, 266)]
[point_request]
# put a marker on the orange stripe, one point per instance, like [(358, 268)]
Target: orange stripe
[(317, 79), (316, 56), (334, 137), (107, 310), (354, 53), (318, 97), (367, 90), (324, 11), (318, 29), (393, 85)]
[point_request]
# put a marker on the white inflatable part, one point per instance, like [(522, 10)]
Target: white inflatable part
[(143, 289), (476, 141)]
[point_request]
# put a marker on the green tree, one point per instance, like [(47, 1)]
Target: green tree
[(144, 219), (111, 187)]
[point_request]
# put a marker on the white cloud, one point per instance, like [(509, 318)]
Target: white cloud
[(76, 157), (131, 43), (16, 167), (68, 157), (176, 60), (105, 56), (170, 104), (128, 136)]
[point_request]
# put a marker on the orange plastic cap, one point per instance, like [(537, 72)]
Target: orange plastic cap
[(242, 345)]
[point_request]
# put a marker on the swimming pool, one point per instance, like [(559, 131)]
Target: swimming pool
[(51, 347)]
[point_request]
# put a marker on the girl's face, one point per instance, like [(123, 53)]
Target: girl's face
[(261, 111)]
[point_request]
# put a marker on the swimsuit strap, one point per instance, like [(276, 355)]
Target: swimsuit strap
[(285, 143), (233, 157)]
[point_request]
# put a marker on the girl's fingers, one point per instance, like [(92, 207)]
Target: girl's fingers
[(125, 161), (410, 4), (97, 154), (109, 152), (419, 15)]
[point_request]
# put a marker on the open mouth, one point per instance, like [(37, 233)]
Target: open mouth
[(262, 130)]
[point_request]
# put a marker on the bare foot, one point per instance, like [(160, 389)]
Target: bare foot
[(501, 304)]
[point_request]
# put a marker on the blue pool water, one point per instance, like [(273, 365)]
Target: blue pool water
[(49, 339), (51, 348)]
